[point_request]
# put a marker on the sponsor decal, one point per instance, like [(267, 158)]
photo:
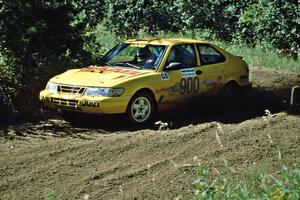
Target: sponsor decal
[(110, 69), (209, 82), (164, 76), (189, 72), (172, 90), (89, 104)]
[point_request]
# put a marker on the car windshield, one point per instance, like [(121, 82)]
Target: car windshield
[(139, 56)]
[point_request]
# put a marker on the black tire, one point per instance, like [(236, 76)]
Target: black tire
[(230, 95), (71, 116), (141, 109)]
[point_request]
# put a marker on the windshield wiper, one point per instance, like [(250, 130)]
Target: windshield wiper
[(127, 65)]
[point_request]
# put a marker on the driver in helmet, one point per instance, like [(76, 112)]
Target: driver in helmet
[(146, 58)]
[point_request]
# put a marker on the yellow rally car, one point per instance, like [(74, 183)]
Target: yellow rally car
[(143, 76)]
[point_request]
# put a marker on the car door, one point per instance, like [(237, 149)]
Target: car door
[(212, 64), (179, 79)]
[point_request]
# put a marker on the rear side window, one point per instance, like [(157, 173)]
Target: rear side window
[(184, 54), (209, 55)]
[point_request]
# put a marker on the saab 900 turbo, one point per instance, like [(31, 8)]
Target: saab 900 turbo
[(141, 77)]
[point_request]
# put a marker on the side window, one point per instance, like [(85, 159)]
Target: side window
[(158, 51), (208, 55), (183, 54)]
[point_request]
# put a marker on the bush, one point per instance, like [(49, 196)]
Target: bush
[(128, 17), (271, 22), (9, 84), (38, 40), (252, 22), (99, 40)]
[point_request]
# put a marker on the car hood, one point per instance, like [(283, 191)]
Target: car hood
[(98, 76)]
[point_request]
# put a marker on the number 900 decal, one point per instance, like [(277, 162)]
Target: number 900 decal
[(189, 85)]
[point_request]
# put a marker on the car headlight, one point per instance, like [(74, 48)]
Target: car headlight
[(107, 92), (52, 87)]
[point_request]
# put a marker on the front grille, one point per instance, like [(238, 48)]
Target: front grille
[(71, 89), (64, 102)]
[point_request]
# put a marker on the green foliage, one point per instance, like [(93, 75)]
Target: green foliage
[(128, 17), (272, 22), (50, 196), (252, 22), (99, 40), (88, 12), (258, 186), (36, 42), (9, 85)]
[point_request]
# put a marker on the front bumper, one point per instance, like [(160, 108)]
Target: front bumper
[(81, 103)]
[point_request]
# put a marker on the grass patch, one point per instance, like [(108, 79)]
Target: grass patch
[(257, 186), (50, 196), (263, 56)]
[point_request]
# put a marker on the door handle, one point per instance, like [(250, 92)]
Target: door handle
[(198, 72)]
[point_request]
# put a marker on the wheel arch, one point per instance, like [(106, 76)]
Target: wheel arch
[(232, 82), (147, 90)]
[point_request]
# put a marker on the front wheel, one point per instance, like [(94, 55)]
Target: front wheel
[(141, 108)]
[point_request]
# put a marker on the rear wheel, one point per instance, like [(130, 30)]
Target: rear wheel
[(230, 94), (141, 108)]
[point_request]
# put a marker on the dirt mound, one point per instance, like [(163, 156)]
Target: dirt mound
[(50, 158)]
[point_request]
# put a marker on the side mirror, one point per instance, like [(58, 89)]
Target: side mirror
[(173, 66), (100, 60)]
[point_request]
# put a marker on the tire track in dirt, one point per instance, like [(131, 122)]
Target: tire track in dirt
[(52, 157)]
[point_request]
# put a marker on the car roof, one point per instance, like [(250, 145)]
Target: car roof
[(164, 41)]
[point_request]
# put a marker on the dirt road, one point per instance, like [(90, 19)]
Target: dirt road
[(106, 159)]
